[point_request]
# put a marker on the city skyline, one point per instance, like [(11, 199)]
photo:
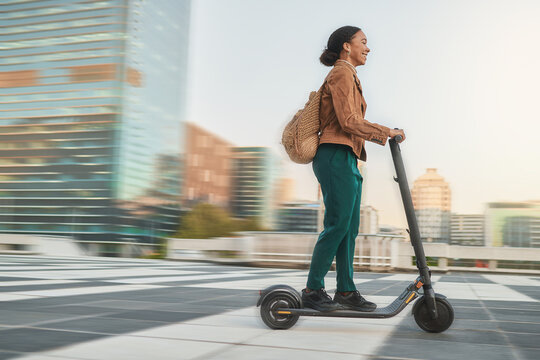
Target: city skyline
[(367, 221), (464, 91), (256, 101)]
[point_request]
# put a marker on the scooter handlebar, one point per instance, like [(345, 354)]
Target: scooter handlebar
[(397, 138)]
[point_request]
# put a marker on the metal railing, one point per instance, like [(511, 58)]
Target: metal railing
[(374, 252), (267, 248), (377, 252)]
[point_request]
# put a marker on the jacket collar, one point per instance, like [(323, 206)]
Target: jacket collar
[(350, 66), (347, 64)]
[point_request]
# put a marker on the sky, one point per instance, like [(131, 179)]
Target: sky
[(461, 77)]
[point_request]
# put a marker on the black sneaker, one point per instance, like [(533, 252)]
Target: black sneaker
[(354, 301), (319, 300)]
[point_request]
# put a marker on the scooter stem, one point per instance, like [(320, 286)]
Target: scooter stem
[(414, 231)]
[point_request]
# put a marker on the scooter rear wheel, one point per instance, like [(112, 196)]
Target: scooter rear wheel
[(275, 301), (445, 316)]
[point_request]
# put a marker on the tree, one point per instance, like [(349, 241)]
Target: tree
[(205, 221), (250, 223)]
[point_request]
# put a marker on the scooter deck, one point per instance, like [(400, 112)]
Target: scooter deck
[(388, 311)]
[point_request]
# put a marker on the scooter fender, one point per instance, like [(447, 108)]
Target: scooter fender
[(420, 300), (277, 289)]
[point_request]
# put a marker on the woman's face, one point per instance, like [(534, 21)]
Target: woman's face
[(358, 48)]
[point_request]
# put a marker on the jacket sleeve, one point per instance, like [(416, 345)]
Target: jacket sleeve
[(344, 93)]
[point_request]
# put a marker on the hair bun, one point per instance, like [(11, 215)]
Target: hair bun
[(329, 57), (335, 41)]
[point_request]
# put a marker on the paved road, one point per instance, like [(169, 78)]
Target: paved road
[(103, 308)]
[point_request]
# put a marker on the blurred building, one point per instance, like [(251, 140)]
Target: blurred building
[(207, 170), (285, 192), (255, 174), (393, 230), (467, 230), (93, 95), (431, 200), (514, 224), (298, 217), (369, 220)]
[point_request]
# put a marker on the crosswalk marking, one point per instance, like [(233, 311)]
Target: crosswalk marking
[(135, 274), (75, 291)]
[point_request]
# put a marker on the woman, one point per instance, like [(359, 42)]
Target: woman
[(343, 132)]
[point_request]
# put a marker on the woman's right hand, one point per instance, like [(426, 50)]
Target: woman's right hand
[(396, 132)]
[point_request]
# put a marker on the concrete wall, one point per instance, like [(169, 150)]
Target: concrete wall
[(43, 245), (26, 244), (376, 252), (265, 248)]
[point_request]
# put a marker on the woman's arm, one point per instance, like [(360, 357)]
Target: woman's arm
[(344, 92)]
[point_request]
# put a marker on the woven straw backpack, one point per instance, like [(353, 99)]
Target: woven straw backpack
[(301, 135)]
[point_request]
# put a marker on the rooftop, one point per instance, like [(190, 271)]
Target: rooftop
[(117, 308)]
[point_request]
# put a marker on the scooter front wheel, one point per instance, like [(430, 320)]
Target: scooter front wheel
[(269, 310), (445, 316)]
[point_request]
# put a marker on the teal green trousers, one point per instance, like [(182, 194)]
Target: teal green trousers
[(335, 166)]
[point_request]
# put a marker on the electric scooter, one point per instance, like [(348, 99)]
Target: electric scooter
[(281, 305)]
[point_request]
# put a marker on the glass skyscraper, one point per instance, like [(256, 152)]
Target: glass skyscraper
[(92, 98), (255, 176), (431, 197)]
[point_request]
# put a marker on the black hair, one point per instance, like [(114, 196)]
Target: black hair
[(335, 44)]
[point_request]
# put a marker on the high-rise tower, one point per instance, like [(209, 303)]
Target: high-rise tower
[(93, 98), (432, 199)]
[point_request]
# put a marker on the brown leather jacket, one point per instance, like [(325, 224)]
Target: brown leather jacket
[(342, 112)]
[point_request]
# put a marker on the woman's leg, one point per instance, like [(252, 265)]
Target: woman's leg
[(345, 251), (339, 186)]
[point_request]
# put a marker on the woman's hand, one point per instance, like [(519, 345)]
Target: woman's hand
[(396, 132)]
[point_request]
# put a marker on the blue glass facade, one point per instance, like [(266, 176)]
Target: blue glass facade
[(298, 217), (92, 98), (254, 184)]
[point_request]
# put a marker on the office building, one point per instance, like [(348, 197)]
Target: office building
[(467, 230), (515, 224), (369, 220), (255, 181), (431, 200), (285, 192), (207, 170), (93, 98), (298, 217)]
